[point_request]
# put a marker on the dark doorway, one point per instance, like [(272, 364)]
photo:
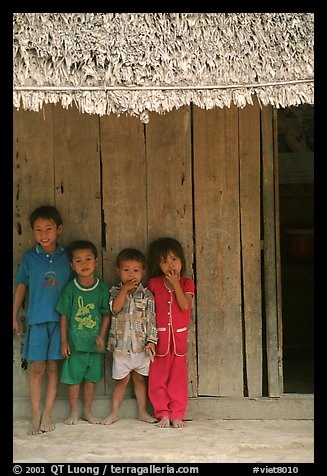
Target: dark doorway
[(296, 208)]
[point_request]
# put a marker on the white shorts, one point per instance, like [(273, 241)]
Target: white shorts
[(123, 364)]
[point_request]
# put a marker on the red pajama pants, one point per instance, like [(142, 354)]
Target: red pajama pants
[(168, 386)]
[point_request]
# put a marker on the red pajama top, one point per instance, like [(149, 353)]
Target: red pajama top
[(172, 323)]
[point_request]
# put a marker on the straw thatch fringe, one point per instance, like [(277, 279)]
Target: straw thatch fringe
[(160, 49)]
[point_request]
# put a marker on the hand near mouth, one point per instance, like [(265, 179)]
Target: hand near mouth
[(172, 278)]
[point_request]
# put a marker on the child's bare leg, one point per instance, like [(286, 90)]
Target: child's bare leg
[(142, 397), (117, 398), (51, 392), (73, 391), (88, 400), (37, 369)]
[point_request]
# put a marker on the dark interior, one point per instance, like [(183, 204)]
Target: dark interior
[(296, 206)]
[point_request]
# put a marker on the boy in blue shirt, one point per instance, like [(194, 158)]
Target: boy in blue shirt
[(43, 271)]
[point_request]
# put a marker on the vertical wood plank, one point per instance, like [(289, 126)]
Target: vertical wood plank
[(249, 143), (278, 257), (217, 239), (33, 185), (77, 181), (124, 187), (77, 174), (124, 197), (169, 197), (33, 175), (269, 251)]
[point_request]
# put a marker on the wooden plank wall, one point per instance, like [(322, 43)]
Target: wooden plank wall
[(77, 182), (169, 197), (217, 241), (124, 198), (192, 174), (250, 214), (270, 274), (33, 183)]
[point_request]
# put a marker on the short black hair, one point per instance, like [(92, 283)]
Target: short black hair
[(160, 248), (131, 254), (81, 245), (47, 212)]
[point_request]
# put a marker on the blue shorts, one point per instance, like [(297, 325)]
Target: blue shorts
[(42, 342)]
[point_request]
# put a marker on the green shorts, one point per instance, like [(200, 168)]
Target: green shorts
[(82, 366)]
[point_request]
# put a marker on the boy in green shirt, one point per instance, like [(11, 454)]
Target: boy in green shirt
[(84, 309)]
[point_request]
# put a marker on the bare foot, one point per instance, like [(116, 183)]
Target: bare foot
[(110, 419), (72, 419), (46, 423), (163, 423), (144, 416), (34, 428), (91, 419), (178, 424)]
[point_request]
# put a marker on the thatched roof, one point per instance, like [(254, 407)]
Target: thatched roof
[(138, 62)]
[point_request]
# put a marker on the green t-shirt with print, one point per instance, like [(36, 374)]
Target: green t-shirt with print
[(84, 307)]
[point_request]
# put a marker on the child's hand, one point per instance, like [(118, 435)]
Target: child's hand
[(173, 278), (131, 284), (65, 350), (99, 343), (150, 350), (16, 328)]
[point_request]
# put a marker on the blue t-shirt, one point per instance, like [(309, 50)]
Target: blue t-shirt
[(46, 275)]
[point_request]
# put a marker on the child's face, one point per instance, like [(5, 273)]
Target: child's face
[(130, 269), (46, 233), (170, 263), (84, 263)]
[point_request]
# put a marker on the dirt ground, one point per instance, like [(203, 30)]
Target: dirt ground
[(202, 441)]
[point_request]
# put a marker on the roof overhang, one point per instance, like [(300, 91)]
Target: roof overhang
[(138, 62)]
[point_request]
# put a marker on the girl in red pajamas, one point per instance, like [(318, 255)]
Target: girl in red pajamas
[(168, 380)]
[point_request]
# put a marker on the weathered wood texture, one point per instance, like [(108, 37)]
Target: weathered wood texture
[(124, 198), (278, 256), (33, 184), (217, 240), (77, 182), (123, 188), (191, 174), (269, 237), (249, 152), (77, 174), (169, 196)]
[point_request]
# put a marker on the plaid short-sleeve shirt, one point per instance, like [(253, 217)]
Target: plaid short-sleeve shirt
[(135, 324)]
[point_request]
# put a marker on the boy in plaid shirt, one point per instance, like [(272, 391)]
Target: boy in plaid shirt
[(133, 332)]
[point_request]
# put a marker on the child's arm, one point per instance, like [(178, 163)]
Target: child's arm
[(65, 349), (151, 329), (99, 341), (118, 302), (150, 346), (18, 300), (184, 300)]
